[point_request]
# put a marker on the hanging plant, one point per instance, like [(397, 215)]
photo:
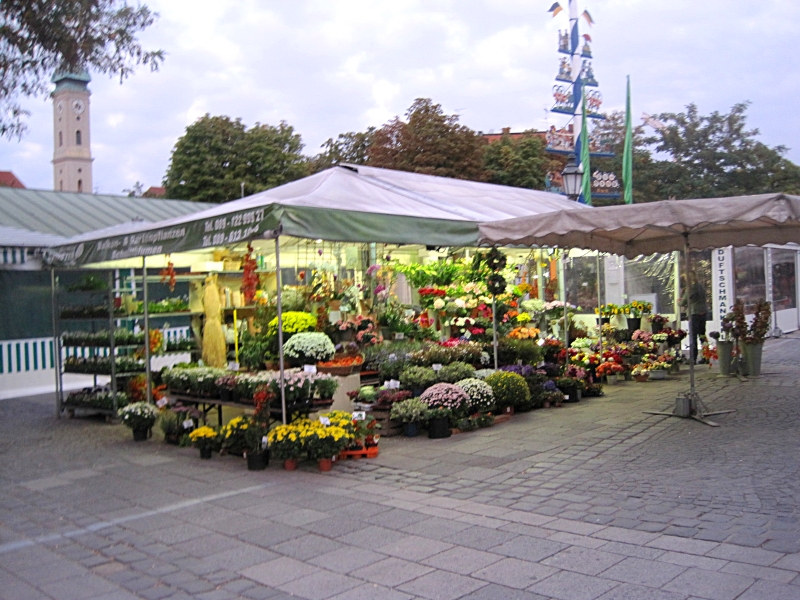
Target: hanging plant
[(250, 277), (168, 276), (496, 260), (496, 284)]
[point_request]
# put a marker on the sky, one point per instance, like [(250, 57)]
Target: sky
[(332, 66)]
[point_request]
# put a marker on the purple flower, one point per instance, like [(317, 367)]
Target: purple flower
[(372, 270), (379, 289)]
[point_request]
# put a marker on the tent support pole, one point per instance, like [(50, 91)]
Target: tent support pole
[(56, 342), (563, 285), (599, 304), (494, 330), (278, 286), (146, 331), (695, 404)]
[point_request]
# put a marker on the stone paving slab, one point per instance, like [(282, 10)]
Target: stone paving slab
[(591, 501)]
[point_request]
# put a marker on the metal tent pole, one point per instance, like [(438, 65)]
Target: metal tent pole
[(599, 304), (145, 301), (278, 296), (494, 330), (56, 358)]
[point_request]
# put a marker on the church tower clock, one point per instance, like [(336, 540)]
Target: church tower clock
[(72, 155)]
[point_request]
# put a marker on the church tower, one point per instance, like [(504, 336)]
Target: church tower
[(72, 155)]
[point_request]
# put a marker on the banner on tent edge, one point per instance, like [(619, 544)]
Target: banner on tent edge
[(220, 230)]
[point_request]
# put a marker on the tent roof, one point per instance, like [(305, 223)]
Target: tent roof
[(22, 238), (658, 226), (68, 214), (346, 203)]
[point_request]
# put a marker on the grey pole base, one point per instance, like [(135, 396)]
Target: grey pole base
[(694, 404)]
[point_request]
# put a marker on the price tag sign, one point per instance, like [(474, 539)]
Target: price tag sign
[(309, 368), (359, 415), (162, 403), (233, 366), (399, 335), (188, 424), (519, 363), (566, 397), (325, 421), (393, 384), (437, 367), (264, 442)]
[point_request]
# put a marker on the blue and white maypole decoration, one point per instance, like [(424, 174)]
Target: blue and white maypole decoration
[(576, 90)]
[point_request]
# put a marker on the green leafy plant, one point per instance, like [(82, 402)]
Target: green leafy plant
[(456, 371), (326, 386), (412, 410), (509, 389), (417, 378)]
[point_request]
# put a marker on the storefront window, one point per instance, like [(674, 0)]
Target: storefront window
[(581, 276), (748, 272), (652, 279), (784, 285)]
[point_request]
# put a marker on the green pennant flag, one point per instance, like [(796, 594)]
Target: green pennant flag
[(586, 191), (627, 153)]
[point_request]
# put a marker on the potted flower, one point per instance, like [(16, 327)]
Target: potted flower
[(285, 445), (205, 439), (232, 436), (641, 372), (323, 443), (170, 424), (256, 448), (480, 393), (510, 390), (754, 338), (417, 379), (140, 417), (411, 413), (657, 322), (309, 348), (658, 369), (325, 387), (439, 422), (569, 386), (227, 388)]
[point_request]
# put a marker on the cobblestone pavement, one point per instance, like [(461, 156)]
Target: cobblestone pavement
[(590, 501)]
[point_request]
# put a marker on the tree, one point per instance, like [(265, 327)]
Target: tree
[(39, 37), (520, 162), (429, 142), (716, 156), (352, 147), (135, 191), (216, 155)]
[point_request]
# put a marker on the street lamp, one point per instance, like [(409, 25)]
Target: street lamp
[(571, 178)]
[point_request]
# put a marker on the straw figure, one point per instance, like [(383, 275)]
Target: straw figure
[(214, 347)]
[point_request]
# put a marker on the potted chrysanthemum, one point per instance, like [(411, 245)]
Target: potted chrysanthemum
[(140, 417)]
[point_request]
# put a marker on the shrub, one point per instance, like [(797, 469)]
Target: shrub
[(446, 395), (311, 346), (509, 389), (293, 322), (416, 378), (412, 410), (481, 395), (456, 372)]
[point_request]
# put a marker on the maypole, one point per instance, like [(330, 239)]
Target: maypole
[(575, 88)]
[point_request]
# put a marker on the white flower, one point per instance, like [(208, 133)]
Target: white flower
[(438, 304), (460, 303)]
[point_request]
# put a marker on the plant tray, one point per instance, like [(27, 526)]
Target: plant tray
[(365, 453), (501, 418), (338, 371)]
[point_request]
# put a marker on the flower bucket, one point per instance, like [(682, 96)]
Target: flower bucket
[(574, 395), (725, 357), (410, 429), (612, 379), (257, 461), (634, 323), (325, 464), (439, 428), (205, 453), (140, 435), (289, 464), (658, 374), (752, 358)]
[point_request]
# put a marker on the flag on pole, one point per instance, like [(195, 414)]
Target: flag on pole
[(627, 152), (587, 37), (588, 17), (586, 187), (555, 9)]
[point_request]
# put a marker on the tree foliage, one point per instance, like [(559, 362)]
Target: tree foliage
[(216, 155), (351, 147), (429, 142), (520, 162), (40, 37), (700, 156)]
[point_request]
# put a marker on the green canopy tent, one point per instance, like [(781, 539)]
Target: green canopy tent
[(344, 204)]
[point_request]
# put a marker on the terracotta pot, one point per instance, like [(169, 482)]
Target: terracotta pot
[(325, 464), (289, 464)]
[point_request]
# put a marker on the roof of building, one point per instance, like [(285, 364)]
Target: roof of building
[(68, 214), (8, 179), (155, 191), (23, 238)]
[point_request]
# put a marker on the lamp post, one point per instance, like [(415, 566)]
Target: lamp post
[(572, 178)]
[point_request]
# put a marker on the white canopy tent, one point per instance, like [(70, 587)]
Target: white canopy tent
[(633, 230)]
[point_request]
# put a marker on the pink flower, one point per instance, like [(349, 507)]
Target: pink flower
[(372, 270)]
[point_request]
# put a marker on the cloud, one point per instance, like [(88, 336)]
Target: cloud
[(329, 67)]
